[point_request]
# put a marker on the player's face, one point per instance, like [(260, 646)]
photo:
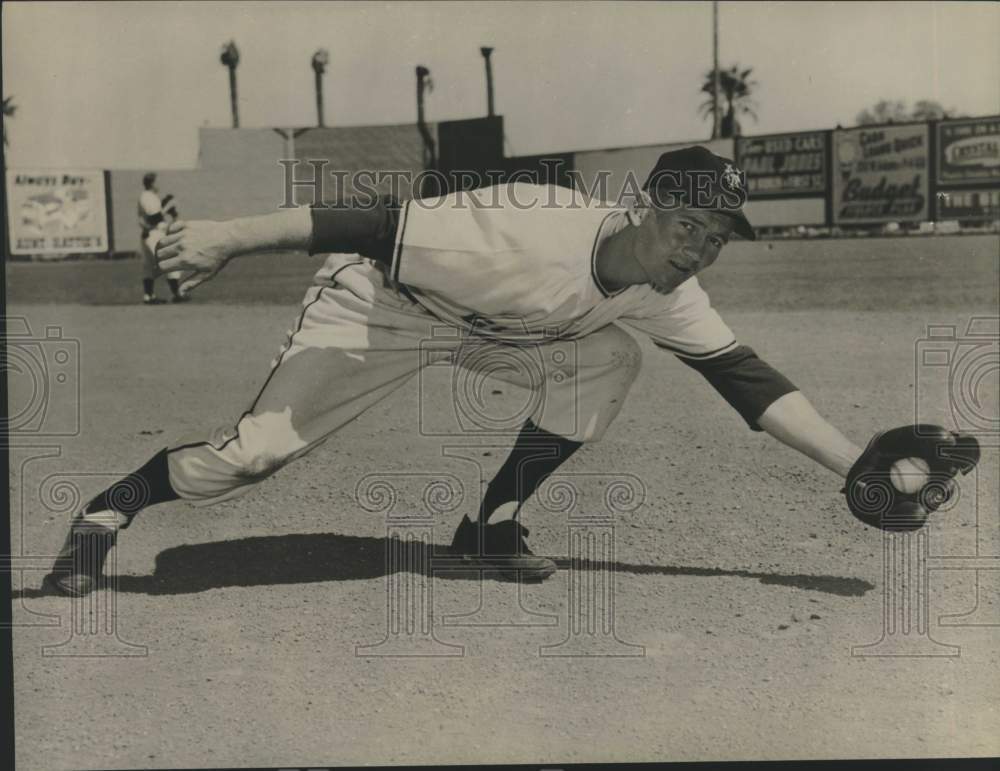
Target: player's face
[(678, 244)]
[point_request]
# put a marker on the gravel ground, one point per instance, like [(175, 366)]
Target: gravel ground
[(741, 583)]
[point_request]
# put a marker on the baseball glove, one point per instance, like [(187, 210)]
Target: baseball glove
[(169, 205), (876, 501)]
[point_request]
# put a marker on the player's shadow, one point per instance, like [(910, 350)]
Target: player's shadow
[(311, 558)]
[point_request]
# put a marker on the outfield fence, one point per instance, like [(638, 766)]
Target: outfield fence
[(907, 178)]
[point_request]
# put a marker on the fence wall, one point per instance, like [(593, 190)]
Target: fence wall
[(628, 167), (967, 167), (860, 177), (788, 177)]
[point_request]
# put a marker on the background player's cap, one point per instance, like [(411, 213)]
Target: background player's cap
[(697, 178), (148, 179)]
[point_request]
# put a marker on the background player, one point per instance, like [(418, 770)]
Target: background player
[(154, 216), (516, 265)]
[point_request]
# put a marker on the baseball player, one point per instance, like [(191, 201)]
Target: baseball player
[(508, 266), (154, 217)]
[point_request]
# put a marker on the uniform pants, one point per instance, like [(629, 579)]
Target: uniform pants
[(147, 250), (358, 339)]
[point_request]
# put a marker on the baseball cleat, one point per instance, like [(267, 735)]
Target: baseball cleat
[(502, 547), (179, 298), (78, 569), (152, 300)]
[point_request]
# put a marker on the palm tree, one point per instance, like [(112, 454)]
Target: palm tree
[(424, 83), (735, 87), (231, 58), (9, 108), (319, 61)]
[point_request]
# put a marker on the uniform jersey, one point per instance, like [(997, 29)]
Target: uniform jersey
[(150, 210), (517, 263)]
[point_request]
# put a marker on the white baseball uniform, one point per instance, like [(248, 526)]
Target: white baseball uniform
[(152, 227), (150, 216), (491, 275)]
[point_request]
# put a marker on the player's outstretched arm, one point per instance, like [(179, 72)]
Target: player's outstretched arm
[(792, 420), (203, 247), (900, 477)]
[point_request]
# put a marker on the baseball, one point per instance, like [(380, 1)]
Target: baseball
[(908, 475)]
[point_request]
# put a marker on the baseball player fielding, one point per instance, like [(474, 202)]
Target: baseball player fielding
[(511, 265)]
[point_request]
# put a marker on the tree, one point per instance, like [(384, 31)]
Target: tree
[(231, 59), (319, 61), (9, 108), (896, 111), (883, 111), (927, 109), (735, 88)]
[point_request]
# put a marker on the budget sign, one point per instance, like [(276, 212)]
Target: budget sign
[(880, 174)]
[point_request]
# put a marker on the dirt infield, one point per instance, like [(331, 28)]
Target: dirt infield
[(743, 596)]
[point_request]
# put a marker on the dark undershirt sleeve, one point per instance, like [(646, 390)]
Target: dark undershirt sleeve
[(369, 231), (748, 383)]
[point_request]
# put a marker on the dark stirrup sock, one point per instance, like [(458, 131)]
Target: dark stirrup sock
[(536, 454), (147, 286), (145, 487)]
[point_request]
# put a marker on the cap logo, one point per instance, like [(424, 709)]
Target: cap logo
[(732, 178)]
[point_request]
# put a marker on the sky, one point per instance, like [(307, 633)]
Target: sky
[(126, 85)]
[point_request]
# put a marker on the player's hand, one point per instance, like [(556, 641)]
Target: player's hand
[(201, 247)]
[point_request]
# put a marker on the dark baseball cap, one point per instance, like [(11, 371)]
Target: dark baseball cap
[(697, 178)]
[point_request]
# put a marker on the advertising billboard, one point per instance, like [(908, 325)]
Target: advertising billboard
[(969, 204), (880, 174), (52, 212), (968, 151), (783, 164)]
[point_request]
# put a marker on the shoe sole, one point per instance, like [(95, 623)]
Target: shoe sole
[(533, 574), (52, 583)]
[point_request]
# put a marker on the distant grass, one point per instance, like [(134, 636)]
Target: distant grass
[(859, 274), (850, 274), (279, 278)]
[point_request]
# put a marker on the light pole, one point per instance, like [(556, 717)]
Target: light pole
[(715, 69), (486, 51), (319, 61), (424, 82), (231, 59)]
